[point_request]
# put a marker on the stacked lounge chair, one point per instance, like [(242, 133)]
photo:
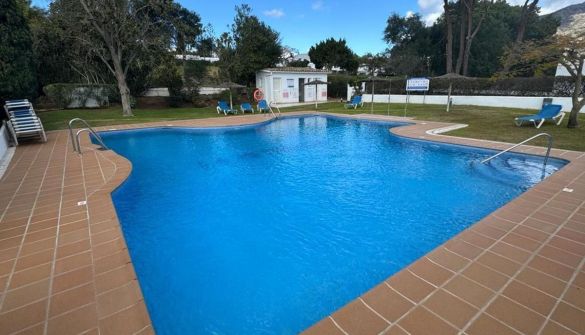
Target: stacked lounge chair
[(23, 122)]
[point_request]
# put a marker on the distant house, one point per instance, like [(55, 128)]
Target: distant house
[(287, 84)]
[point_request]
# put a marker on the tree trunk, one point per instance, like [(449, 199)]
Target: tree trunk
[(467, 51), (463, 20), (123, 88), (513, 55), (184, 62), (449, 46), (577, 92)]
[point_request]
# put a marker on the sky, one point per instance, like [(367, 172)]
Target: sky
[(303, 23)]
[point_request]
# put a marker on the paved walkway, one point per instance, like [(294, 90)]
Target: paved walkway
[(65, 269)]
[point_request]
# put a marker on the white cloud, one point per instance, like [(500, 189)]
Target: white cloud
[(430, 10), (276, 13), (317, 5), (409, 13)]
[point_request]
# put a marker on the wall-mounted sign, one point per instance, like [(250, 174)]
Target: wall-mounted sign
[(418, 84)]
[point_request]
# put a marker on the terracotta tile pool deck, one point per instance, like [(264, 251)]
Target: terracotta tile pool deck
[(65, 268)]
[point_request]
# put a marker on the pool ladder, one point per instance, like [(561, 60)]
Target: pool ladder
[(550, 143), (89, 129), (271, 111)]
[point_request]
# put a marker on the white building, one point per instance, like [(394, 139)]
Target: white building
[(285, 85)]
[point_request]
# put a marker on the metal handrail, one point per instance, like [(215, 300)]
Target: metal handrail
[(271, 111), (88, 128), (550, 142)]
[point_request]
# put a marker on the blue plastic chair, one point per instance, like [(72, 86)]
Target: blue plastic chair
[(223, 107), (548, 112), (355, 102), (246, 107), (263, 107)]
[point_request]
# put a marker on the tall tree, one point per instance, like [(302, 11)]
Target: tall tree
[(333, 53), (411, 45), (206, 42), (226, 52), (186, 29), (17, 67), (471, 31), (527, 9), (448, 37), (255, 45), (567, 49), (116, 32)]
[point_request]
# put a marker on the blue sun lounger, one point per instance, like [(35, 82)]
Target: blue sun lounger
[(23, 122), (246, 107), (355, 102), (223, 107), (263, 107), (548, 112)]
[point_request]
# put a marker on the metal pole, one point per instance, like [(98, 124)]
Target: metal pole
[(388, 110), (316, 97), (231, 104), (407, 99), (449, 97), (372, 106)]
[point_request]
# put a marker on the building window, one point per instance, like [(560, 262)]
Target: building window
[(290, 83)]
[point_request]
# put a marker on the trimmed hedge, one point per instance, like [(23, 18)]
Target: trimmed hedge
[(536, 86), (475, 86), (62, 95)]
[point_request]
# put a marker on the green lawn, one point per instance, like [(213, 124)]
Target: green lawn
[(484, 123)]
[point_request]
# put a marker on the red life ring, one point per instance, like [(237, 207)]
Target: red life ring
[(258, 94)]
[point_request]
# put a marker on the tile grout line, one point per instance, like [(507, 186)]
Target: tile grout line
[(91, 244), (53, 265), (11, 275), (21, 183), (525, 264), (518, 280), (460, 272), (337, 325), (558, 301)]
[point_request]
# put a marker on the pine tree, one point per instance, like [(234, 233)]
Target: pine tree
[(17, 70)]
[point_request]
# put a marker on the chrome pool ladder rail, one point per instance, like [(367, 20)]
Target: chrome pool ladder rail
[(270, 105), (88, 128), (549, 147)]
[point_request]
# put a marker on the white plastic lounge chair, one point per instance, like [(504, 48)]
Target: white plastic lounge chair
[(23, 122)]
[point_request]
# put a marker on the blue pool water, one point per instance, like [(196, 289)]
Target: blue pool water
[(267, 229)]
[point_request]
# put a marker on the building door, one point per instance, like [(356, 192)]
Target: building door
[(277, 89), (301, 89)]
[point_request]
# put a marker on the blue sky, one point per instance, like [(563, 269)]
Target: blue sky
[(302, 23)]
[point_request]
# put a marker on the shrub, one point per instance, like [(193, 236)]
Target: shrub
[(63, 95), (175, 101), (338, 85)]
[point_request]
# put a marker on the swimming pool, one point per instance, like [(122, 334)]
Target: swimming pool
[(267, 229)]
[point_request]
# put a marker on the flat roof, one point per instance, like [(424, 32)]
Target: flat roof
[(294, 70)]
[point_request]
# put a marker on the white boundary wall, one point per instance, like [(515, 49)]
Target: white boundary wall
[(6, 152), (3, 140), (486, 101)]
